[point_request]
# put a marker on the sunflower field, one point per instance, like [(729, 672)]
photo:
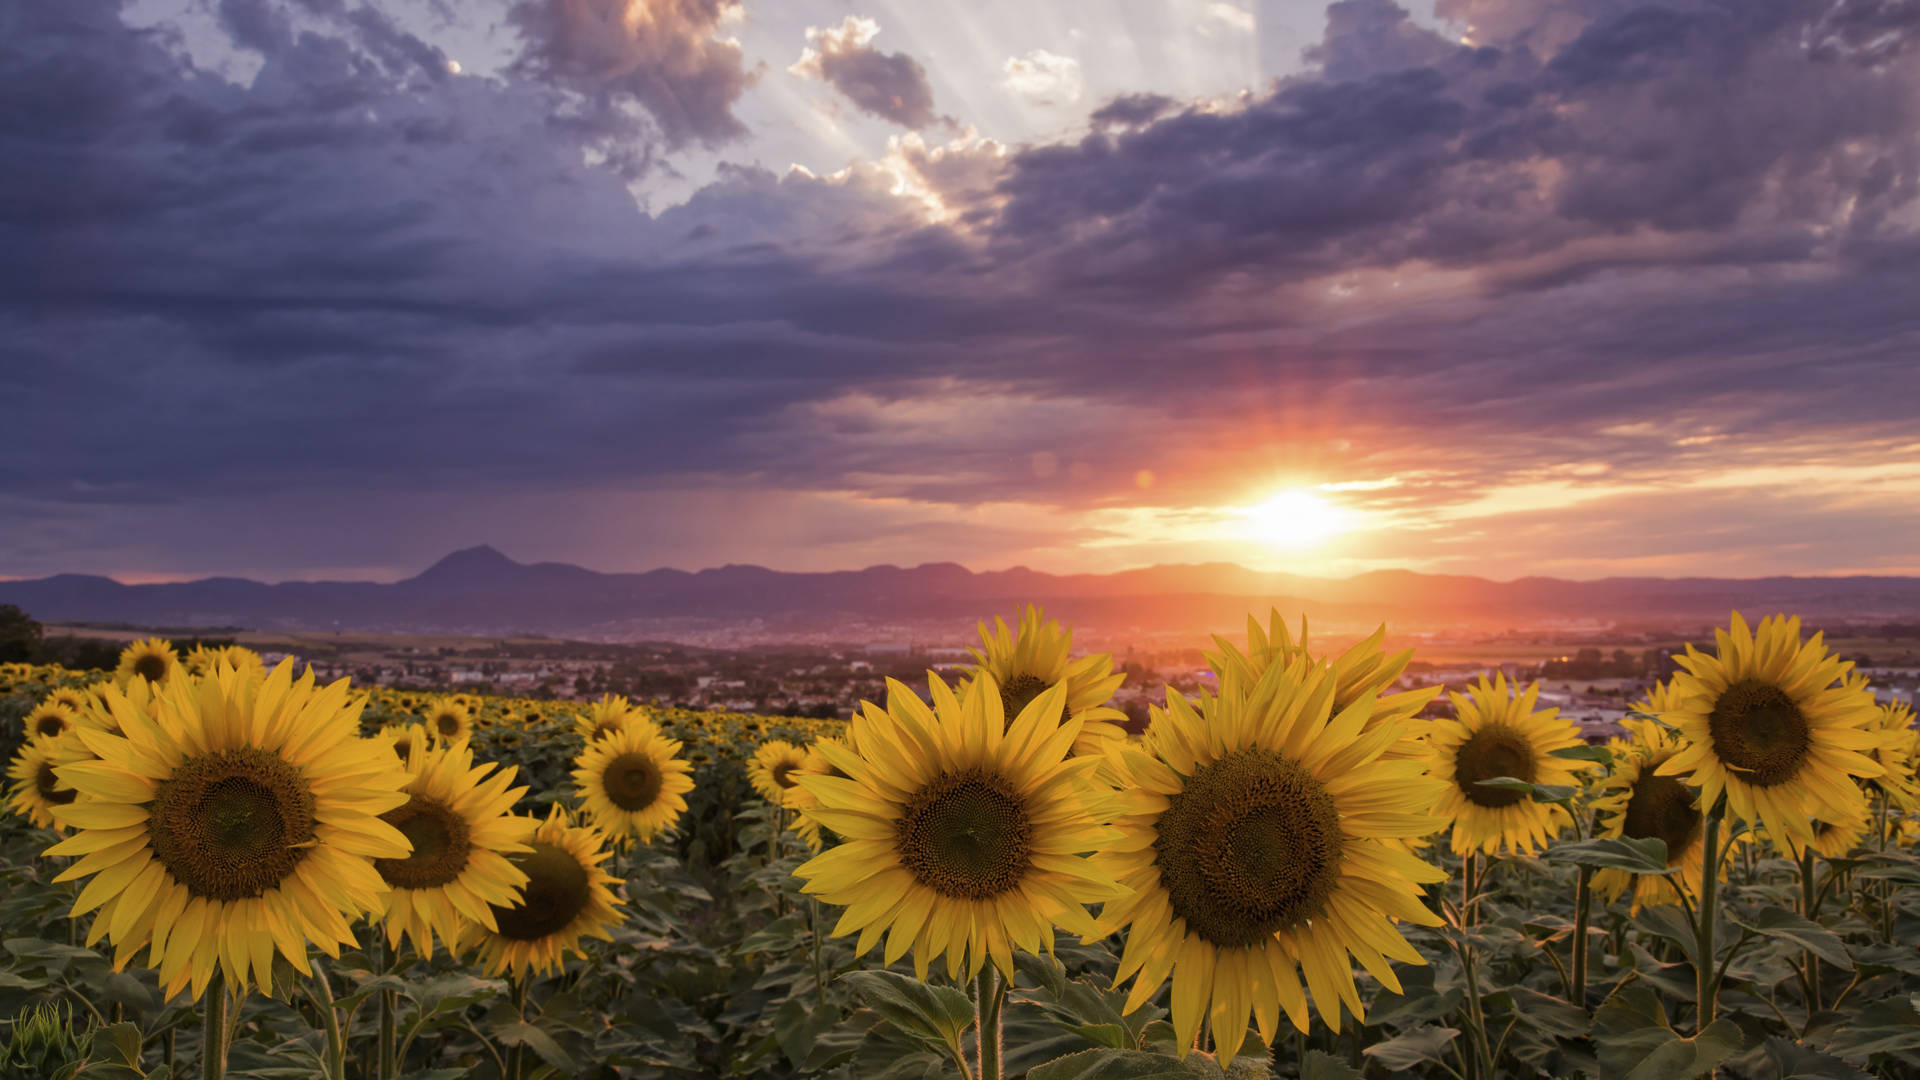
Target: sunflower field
[(211, 868)]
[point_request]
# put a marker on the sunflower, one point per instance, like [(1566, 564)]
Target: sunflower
[(803, 800), (202, 658), (1364, 670), (1027, 663), (1897, 751), (152, 659), (37, 788), (404, 739), (566, 898), (1637, 802), (772, 770), (1769, 724), (49, 720), (241, 820), (72, 698), (1497, 732), (459, 822), (1262, 843), (448, 720), (963, 833), (633, 782), (612, 713), (1837, 839)]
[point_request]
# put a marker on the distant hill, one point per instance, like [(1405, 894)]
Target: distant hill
[(480, 590)]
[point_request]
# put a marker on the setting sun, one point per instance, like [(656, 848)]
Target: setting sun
[(1294, 519)]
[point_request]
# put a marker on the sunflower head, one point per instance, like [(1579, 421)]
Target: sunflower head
[(963, 834), (447, 720), (202, 659), (1364, 670), (1638, 802), (608, 716), (1770, 725), (72, 698), (404, 739), (566, 897), (633, 782), (802, 799), (238, 819), (1497, 732), (1031, 660), (49, 719), (774, 770), (149, 659), (37, 787), (1837, 839), (1897, 751), (458, 819), (1265, 840)]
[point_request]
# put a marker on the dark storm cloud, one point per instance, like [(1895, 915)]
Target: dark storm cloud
[(663, 55), (891, 86), (359, 273)]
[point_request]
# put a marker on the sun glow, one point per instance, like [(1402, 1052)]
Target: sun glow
[(1294, 520)]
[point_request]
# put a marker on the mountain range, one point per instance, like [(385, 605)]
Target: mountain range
[(478, 590)]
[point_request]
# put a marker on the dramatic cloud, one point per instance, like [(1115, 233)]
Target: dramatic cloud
[(891, 86), (664, 55), (1606, 269), (1043, 78)]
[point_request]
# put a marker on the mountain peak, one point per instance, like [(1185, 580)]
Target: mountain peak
[(469, 565)]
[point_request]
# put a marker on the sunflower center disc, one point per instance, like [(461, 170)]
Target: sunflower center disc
[(441, 843), (1016, 693), (783, 774), (231, 824), (605, 728), (1494, 750), (556, 892), (43, 781), (1251, 846), (966, 835), (633, 781), (50, 724), (1758, 730), (151, 667), (447, 724), (1662, 806)]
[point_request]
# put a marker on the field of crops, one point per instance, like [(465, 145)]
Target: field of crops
[(209, 868)]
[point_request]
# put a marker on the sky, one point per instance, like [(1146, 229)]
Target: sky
[(300, 289)]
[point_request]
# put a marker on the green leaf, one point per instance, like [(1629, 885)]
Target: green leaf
[(1547, 793), (1778, 922), (1405, 1051), (1627, 1027), (796, 1027), (125, 1040), (1784, 1059), (1112, 1036), (521, 1033), (1549, 1014), (1691, 1057), (447, 992), (1890, 1026), (1320, 1065), (1126, 1065), (1599, 754), (1671, 923), (780, 935), (1648, 856), (940, 1012)]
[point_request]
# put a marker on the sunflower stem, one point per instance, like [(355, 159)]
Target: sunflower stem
[(517, 1056), (1582, 900), (330, 1016), (987, 1019), (213, 1030), (1807, 907), (813, 925), (1704, 1002)]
